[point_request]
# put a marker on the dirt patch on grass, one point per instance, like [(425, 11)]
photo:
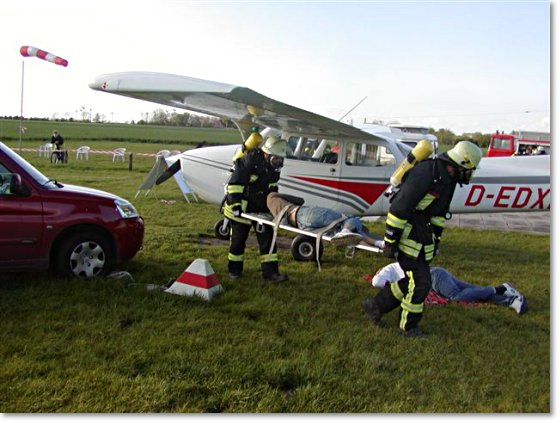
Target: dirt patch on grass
[(282, 242)]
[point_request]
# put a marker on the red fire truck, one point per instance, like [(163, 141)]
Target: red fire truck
[(519, 143)]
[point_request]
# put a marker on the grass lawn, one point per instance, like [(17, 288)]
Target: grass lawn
[(84, 132), (305, 346)]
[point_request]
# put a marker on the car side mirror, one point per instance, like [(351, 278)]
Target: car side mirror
[(17, 187)]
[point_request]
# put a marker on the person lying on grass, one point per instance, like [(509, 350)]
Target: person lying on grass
[(451, 288)]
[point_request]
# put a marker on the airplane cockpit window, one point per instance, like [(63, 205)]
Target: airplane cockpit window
[(403, 148), (368, 155), (313, 149), (292, 143)]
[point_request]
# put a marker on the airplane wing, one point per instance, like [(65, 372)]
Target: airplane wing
[(245, 107)]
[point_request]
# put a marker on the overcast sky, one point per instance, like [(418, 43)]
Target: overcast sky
[(465, 66)]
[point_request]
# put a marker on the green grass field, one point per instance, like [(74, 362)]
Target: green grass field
[(305, 346), (82, 133)]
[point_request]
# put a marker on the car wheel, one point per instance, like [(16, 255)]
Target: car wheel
[(220, 230), (84, 255), (303, 248)]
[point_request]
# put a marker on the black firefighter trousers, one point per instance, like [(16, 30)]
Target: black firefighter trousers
[(239, 234), (409, 293)]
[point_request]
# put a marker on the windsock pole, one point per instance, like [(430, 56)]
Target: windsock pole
[(30, 51), (21, 106)]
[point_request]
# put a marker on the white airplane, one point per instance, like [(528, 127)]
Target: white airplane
[(407, 134), (352, 181)]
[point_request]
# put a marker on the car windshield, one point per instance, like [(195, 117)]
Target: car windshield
[(34, 173)]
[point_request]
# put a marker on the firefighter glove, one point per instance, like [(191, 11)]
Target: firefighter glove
[(390, 250), (236, 210)]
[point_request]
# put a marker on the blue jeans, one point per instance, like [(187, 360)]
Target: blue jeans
[(448, 286), (313, 217), (309, 218)]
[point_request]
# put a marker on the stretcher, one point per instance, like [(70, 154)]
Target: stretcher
[(308, 244)]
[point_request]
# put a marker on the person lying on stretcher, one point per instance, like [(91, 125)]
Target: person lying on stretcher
[(349, 231)]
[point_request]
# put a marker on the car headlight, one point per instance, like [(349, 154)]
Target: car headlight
[(125, 209)]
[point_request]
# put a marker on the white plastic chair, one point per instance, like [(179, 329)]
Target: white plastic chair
[(45, 150), (82, 152), (118, 154)]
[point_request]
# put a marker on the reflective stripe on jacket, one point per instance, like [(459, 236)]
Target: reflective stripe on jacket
[(420, 206), (252, 179)]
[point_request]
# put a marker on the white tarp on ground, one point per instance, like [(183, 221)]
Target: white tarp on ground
[(157, 170)]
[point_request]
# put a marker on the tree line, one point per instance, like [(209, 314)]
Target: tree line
[(158, 117), (165, 118), (447, 137)]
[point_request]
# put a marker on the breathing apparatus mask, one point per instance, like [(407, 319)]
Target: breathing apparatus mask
[(275, 149), (464, 175), (276, 162), (465, 158)]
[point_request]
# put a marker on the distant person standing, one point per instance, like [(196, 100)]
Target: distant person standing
[(57, 140), (58, 155)]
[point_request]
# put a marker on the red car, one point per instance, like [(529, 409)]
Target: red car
[(76, 231)]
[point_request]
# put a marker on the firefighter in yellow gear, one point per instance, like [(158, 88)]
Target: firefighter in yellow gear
[(254, 176), (413, 230)]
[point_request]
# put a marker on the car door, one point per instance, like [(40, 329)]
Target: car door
[(21, 224)]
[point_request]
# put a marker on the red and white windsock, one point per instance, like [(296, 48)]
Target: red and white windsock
[(28, 51)]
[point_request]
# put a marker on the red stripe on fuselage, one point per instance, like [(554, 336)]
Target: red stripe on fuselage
[(366, 191)]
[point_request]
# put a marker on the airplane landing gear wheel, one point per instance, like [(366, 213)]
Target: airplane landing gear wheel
[(303, 248), (221, 230)]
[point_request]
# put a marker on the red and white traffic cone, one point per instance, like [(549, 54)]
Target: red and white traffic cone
[(198, 279)]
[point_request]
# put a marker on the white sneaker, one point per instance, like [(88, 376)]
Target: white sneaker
[(511, 291), (345, 239), (519, 304)]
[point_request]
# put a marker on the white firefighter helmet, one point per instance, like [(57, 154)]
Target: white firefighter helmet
[(275, 147), (466, 154)]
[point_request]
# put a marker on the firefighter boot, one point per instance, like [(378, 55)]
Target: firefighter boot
[(271, 273), (276, 278), (372, 309), (414, 332)]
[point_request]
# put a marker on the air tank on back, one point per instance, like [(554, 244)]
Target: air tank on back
[(420, 152), (252, 142)]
